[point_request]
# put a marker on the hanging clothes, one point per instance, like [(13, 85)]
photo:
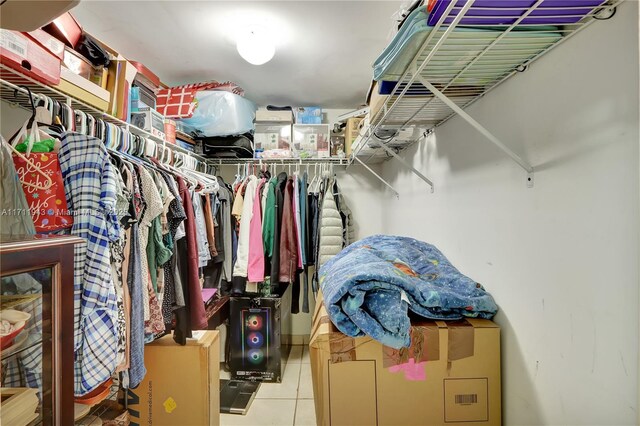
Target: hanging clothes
[(269, 219), (242, 263), (330, 232), (279, 206), (303, 240), (12, 197), (153, 208), (87, 171), (288, 240), (255, 272), (117, 253), (197, 314), (297, 218), (210, 225), (204, 253), (136, 372), (173, 297)]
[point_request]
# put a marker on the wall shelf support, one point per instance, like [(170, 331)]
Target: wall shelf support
[(417, 172), (479, 127), (380, 178)]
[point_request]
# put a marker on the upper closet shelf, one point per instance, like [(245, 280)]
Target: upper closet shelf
[(443, 60), (12, 90)]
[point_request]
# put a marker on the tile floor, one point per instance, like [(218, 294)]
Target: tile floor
[(280, 404)]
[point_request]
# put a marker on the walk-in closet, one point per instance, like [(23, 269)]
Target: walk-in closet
[(336, 213)]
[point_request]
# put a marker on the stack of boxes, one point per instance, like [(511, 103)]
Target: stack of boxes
[(52, 55), (311, 140), (273, 134), (277, 136)]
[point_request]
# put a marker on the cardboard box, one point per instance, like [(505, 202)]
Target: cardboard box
[(255, 330), (182, 384), (311, 140), (308, 115), (377, 101), (78, 64), (266, 116), (25, 55), (99, 77), (52, 44), (66, 29), (272, 136), (150, 120), (119, 83), (351, 132), (84, 90), (457, 381)]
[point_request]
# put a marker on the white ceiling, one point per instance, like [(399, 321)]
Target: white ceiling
[(324, 49)]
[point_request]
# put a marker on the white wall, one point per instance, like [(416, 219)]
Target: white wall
[(561, 259), (12, 118)]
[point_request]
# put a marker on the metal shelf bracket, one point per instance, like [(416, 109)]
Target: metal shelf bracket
[(380, 178), (479, 127), (417, 172)]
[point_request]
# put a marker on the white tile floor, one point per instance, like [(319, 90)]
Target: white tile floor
[(286, 403)]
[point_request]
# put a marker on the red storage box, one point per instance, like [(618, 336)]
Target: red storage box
[(152, 79), (24, 54), (66, 29), (54, 45)]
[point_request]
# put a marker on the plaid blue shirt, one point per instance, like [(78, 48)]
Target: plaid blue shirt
[(90, 187)]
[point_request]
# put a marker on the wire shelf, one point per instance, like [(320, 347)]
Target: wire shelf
[(464, 61), (12, 90), (234, 161), (103, 406)]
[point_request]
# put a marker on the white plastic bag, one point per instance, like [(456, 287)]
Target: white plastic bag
[(221, 113)]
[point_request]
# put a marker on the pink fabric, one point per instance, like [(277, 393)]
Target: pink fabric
[(255, 270), (412, 371)]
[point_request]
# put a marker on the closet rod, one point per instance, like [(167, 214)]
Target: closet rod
[(51, 93), (300, 161)]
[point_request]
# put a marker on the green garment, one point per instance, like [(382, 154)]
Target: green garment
[(42, 146), (157, 253), (269, 218)]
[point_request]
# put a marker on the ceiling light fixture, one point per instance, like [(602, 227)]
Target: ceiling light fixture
[(255, 46)]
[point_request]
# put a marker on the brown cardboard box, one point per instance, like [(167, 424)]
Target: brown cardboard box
[(266, 116), (460, 383), (120, 78), (377, 101), (182, 385), (77, 63), (82, 89), (351, 132)]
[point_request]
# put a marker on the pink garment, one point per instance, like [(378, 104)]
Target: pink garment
[(255, 270)]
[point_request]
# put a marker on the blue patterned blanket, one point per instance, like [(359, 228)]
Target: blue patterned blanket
[(369, 287)]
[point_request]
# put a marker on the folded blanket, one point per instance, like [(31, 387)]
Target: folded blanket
[(461, 48), (369, 287)]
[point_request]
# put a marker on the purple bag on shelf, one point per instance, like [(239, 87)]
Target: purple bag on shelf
[(506, 12)]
